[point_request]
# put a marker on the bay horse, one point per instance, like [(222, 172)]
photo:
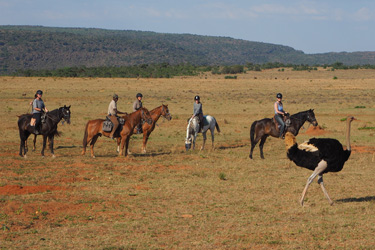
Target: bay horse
[(48, 129), (261, 129), (94, 129), (148, 128), (193, 128)]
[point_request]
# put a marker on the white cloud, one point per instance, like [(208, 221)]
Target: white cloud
[(363, 14)]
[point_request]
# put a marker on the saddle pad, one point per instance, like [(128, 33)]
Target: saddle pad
[(107, 126), (121, 120)]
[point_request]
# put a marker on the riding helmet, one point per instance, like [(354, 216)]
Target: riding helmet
[(39, 92), (197, 97), (279, 95), (139, 95)]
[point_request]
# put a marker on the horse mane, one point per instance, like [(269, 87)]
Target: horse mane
[(300, 113), (156, 108)]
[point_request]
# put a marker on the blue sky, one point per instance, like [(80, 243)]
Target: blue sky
[(311, 26)]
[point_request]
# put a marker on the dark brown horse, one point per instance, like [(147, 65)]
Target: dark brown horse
[(148, 128), (48, 129), (261, 129), (94, 129)]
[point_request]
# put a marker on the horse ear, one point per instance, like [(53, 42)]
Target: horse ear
[(64, 106), (69, 106)]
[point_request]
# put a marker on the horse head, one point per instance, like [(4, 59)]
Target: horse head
[(146, 116), (189, 133), (66, 113), (311, 117), (165, 112)]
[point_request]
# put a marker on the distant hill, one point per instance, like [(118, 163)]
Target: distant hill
[(36, 47)]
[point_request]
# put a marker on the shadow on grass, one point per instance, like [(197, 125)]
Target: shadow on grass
[(361, 199), (234, 146), (73, 146), (149, 154)]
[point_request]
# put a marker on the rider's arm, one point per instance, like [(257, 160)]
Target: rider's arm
[(278, 111)]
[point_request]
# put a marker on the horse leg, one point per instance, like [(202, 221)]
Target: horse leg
[(253, 144), (92, 144), (262, 141), (127, 145), (23, 148), (88, 140), (122, 146), (26, 148), (44, 144), (34, 142), (204, 139), (145, 139), (51, 138), (118, 144), (194, 138), (213, 138)]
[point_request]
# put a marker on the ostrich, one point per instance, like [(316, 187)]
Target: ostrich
[(322, 155)]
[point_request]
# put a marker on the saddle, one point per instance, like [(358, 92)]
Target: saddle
[(108, 125), (42, 120), (286, 119)]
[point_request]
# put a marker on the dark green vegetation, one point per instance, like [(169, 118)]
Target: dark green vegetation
[(37, 48)]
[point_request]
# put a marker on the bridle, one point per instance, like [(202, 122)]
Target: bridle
[(165, 113), (65, 116)]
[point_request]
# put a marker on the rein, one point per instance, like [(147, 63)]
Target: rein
[(52, 118)]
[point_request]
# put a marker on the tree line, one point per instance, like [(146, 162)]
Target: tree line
[(166, 70)]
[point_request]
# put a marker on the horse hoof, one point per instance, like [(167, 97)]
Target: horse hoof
[(25, 156), (53, 156), (93, 156)]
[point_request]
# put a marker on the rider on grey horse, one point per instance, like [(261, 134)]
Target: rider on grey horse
[(198, 112)]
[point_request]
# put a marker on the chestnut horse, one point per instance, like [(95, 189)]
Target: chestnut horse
[(94, 129), (148, 128), (261, 129)]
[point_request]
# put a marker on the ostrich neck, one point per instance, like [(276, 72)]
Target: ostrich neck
[(348, 147)]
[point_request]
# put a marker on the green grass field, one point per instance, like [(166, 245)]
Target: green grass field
[(170, 199)]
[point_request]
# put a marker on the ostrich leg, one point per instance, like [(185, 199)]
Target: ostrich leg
[(320, 181), (318, 170)]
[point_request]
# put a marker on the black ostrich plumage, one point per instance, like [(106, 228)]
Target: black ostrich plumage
[(329, 150)]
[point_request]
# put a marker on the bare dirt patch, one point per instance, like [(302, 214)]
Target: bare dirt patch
[(19, 190), (318, 130)]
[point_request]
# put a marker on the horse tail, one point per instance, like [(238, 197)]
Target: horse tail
[(252, 132), (57, 133), (217, 126), (86, 135)]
